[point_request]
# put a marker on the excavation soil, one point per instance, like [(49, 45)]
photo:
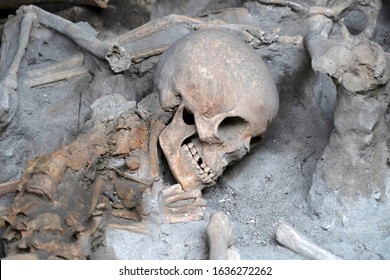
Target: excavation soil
[(269, 185)]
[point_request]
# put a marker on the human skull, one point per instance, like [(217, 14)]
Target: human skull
[(224, 97)]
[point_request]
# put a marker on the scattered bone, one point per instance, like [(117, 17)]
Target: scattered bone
[(295, 241), (334, 10), (101, 206), (4, 211), (250, 34), (24, 36), (183, 206), (10, 186), (72, 179), (139, 56), (117, 57), (155, 130), (292, 40), (68, 63), (358, 65), (9, 83), (13, 4), (178, 194), (220, 238), (145, 182), (97, 186), (66, 69), (306, 9), (154, 27), (56, 77), (126, 214), (137, 227)]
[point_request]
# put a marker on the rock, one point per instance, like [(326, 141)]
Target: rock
[(354, 164), (110, 105)]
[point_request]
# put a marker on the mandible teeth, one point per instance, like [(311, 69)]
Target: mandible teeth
[(193, 151), (190, 145), (207, 179), (204, 171), (197, 157)]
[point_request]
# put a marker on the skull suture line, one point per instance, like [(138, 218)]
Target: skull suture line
[(224, 97)]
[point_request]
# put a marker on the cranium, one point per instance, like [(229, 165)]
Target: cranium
[(224, 97)]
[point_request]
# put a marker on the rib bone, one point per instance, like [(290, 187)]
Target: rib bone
[(69, 68), (9, 83), (295, 241)]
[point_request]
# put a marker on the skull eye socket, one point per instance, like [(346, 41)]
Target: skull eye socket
[(231, 128), (188, 117), (255, 141)]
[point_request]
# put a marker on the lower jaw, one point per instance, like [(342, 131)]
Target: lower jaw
[(205, 176), (184, 173)]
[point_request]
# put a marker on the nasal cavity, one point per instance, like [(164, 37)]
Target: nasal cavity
[(188, 117), (231, 128)]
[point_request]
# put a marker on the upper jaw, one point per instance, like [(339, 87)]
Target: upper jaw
[(204, 172)]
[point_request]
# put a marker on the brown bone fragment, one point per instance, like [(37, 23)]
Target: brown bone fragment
[(9, 186), (55, 210)]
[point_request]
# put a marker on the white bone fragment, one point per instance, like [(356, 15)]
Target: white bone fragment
[(55, 77), (287, 236), (220, 237), (68, 63)]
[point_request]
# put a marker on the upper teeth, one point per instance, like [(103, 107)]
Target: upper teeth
[(204, 171)]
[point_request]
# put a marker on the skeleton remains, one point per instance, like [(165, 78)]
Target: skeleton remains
[(62, 196), (212, 101)]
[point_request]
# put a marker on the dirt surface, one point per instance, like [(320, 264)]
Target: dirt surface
[(268, 185)]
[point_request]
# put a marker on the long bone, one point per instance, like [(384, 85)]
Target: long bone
[(310, 10), (219, 236), (253, 35), (118, 52), (154, 27), (63, 70), (10, 186), (117, 57), (9, 84), (295, 241), (73, 67), (112, 51)]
